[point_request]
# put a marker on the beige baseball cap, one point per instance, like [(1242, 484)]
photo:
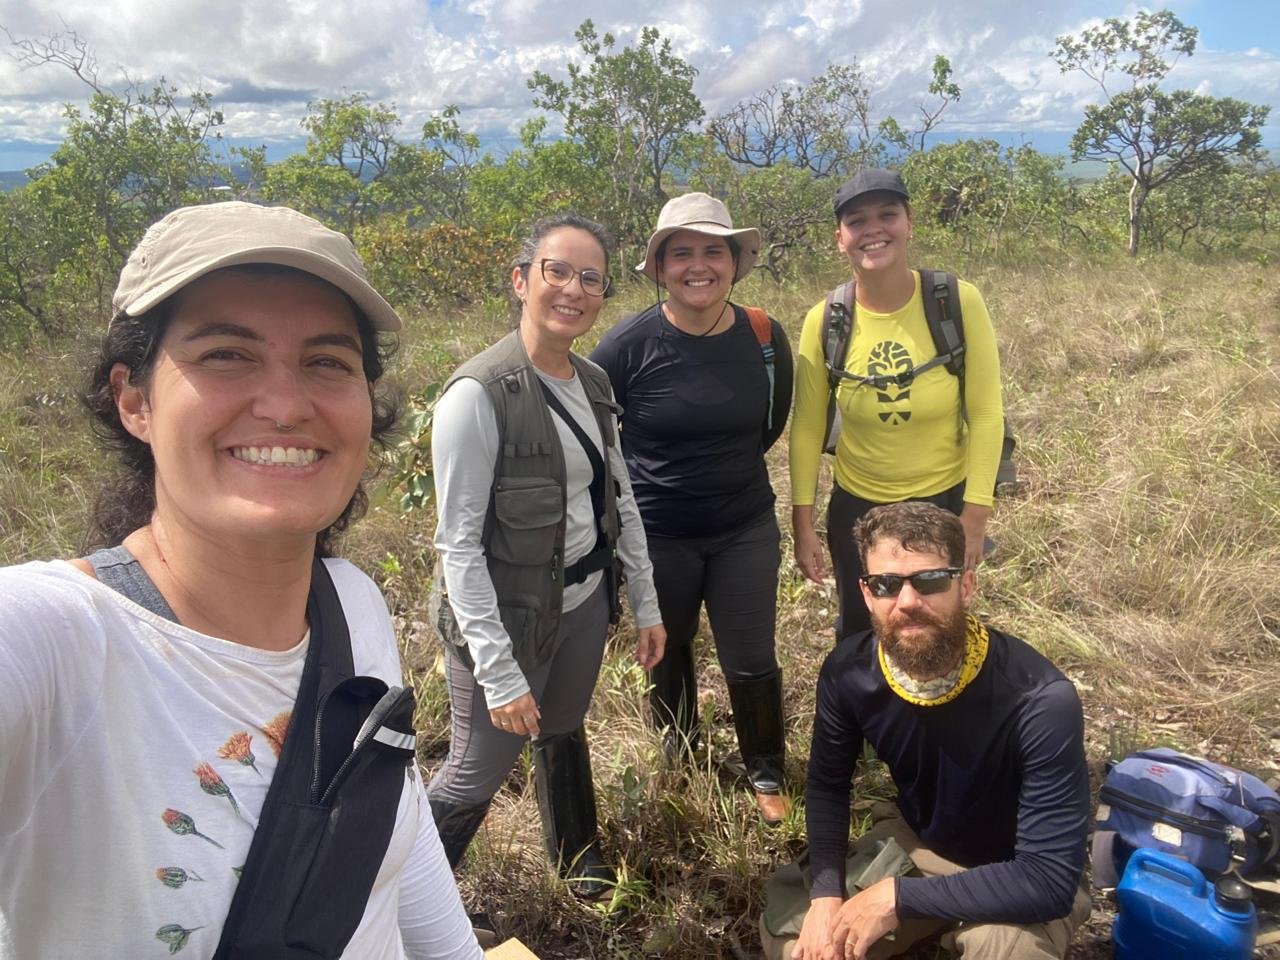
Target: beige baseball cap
[(193, 241), (700, 213)]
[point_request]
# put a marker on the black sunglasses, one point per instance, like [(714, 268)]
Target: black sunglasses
[(884, 585)]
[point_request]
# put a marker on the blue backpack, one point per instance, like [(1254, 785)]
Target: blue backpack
[(1214, 816)]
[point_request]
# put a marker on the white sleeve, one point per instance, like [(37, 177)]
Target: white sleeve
[(464, 451), (633, 549), (433, 923)]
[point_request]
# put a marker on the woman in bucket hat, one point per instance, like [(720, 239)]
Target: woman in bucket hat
[(164, 772), (907, 431), (704, 399), (534, 512)]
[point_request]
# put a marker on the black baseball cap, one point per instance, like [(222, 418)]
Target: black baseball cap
[(870, 180)]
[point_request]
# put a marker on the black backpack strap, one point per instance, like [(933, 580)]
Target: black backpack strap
[(837, 330), (331, 807), (601, 554), (941, 295)]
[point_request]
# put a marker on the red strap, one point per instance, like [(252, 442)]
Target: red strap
[(760, 324)]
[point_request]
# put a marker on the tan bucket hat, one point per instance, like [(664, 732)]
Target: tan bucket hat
[(702, 214), (192, 241)]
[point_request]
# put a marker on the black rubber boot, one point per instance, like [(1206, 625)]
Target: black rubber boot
[(456, 823), (673, 699), (757, 717), (567, 802)]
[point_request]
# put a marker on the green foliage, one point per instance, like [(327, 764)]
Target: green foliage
[(413, 474), (440, 265), (540, 178), (1157, 137), (127, 159), (633, 111), (985, 197)]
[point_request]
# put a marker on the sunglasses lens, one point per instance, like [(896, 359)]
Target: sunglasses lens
[(884, 585), (931, 581)]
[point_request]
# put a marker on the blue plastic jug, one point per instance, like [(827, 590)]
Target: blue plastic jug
[(1169, 911)]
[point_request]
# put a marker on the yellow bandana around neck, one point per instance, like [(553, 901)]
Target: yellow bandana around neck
[(976, 642)]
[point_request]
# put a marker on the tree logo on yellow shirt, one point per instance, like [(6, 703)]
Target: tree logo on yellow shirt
[(889, 360)]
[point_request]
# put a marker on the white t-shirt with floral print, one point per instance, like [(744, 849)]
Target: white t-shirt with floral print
[(135, 756)]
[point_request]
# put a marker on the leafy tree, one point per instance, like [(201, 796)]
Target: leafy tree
[(824, 126), (946, 90), (984, 196), (541, 177), (633, 110), (1156, 137), (128, 158), (350, 147)]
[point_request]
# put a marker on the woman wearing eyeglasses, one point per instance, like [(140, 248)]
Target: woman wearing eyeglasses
[(534, 505), (909, 428), (706, 394)]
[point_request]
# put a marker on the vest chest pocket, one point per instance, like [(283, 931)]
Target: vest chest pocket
[(527, 511)]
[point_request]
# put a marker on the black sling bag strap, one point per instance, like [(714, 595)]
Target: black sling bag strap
[(601, 554), (331, 807)]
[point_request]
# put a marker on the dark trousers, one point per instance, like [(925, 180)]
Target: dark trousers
[(736, 574), (846, 565)]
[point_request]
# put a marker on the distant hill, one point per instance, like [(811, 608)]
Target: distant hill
[(12, 180)]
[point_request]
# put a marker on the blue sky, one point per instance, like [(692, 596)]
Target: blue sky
[(263, 61)]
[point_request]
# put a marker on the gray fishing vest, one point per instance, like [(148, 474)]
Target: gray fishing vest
[(524, 528)]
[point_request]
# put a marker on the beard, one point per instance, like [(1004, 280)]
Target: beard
[(926, 654)]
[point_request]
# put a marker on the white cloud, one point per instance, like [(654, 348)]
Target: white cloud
[(264, 60)]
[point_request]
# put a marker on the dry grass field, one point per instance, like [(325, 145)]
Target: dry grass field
[(1140, 551)]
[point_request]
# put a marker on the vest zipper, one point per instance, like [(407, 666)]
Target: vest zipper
[(555, 565)]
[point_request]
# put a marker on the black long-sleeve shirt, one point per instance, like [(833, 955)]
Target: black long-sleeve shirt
[(995, 781), (694, 429)]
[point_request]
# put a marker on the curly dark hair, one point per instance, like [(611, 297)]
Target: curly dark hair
[(914, 525), (127, 500)]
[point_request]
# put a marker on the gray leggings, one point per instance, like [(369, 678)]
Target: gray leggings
[(480, 754), (736, 574)]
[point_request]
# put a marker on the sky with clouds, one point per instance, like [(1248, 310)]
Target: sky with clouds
[(264, 59)]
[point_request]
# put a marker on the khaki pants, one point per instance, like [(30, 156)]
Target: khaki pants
[(975, 941)]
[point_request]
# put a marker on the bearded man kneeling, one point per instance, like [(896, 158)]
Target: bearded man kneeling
[(984, 739)]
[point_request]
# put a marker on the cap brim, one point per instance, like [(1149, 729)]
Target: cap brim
[(381, 315)]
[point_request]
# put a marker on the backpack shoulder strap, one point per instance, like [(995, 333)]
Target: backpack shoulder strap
[(763, 329), (837, 329), (940, 292), (761, 326)]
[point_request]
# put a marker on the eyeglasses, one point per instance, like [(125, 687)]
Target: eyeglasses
[(560, 274), (925, 582)]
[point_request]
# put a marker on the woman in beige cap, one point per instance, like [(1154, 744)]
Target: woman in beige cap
[(203, 740), (705, 387)]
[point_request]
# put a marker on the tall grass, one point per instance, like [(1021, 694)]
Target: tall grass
[(1141, 551)]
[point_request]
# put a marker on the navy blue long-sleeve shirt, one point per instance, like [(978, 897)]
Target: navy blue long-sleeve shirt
[(995, 781), (694, 430)]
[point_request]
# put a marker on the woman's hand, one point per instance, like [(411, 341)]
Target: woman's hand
[(810, 553), (650, 644), (974, 520), (815, 941), (520, 716)]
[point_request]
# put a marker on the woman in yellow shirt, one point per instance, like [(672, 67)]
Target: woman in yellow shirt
[(913, 440)]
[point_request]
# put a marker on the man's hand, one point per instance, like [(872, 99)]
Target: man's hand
[(520, 716), (815, 934), (650, 643), (865, 919)]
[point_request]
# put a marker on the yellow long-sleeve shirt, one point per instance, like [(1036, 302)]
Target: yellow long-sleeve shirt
[(900, 442)]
